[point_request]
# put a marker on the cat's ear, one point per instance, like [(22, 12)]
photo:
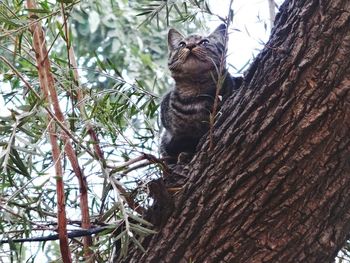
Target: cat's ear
[(174, 38), (219, 33)]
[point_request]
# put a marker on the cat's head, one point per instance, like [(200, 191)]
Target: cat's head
[(195, 54)]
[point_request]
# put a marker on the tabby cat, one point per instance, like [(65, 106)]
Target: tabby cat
[(194, 62)]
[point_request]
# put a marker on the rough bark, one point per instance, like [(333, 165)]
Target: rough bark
[(275, 187)]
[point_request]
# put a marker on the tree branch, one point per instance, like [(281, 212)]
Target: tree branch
[(46, 81), (70, 234)]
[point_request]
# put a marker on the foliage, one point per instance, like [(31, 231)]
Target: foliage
[(121, 54)]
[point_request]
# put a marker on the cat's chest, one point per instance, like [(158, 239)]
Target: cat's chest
[(190, 113)]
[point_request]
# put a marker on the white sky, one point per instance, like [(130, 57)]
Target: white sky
[(247, 32)]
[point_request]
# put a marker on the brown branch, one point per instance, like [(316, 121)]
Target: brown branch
[(151, 158), (78, 172), (81, 105), (48, 87), (45, 83)]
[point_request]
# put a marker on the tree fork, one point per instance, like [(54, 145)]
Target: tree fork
[(275, 186)]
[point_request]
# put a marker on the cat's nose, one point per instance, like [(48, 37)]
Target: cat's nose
[(190, 46)]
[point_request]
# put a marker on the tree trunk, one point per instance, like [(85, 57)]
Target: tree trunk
[(276, 185)]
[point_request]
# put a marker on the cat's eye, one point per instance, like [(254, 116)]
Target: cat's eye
[(182, 44), (204, 42)]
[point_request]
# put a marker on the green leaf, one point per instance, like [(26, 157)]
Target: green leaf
[(140, 220), (60, 30), (10, 22), (142, 230), (65, 1), (16, 159), (138, 244), (144, 13)]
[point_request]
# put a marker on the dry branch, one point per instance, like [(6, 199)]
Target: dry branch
[(46, 80), (47, 86)]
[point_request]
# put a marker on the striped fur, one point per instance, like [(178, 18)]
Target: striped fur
[(185, 110)]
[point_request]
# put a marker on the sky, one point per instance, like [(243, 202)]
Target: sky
[(250, 28)]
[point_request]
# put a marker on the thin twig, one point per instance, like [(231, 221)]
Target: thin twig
[(84, 205), (221, 78), (151, 158), (71, 234)]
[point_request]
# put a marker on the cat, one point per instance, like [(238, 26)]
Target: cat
[(185, 110)]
